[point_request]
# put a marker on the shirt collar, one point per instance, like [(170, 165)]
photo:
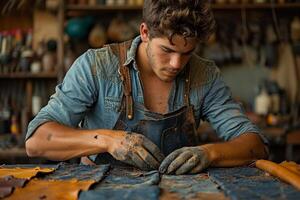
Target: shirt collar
[(131, 53)]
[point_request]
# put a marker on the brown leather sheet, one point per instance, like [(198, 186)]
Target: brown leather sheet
[(284, 173), (26, 173), (51, 189), (292, 166)]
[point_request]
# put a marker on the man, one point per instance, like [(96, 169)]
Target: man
[(140, 102)]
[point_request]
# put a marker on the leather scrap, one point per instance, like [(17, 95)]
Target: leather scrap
[(26, 173), (125, 183), (146, 192), (190, 187), (126, 177), (292, 166), (51, 189), (251, 183), (8, 183), (66, 171), (67, 181), (284, 173)]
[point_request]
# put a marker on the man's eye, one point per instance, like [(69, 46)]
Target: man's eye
[(166, 50)]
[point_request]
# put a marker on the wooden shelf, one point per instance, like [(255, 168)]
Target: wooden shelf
[(77, 10), (214, 6), (26, 75), (255, 6), (101, 7)]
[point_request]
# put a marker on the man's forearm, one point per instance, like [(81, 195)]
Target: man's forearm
[(239, 151), (58, 142)]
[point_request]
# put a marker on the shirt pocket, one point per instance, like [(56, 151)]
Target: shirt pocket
[(112, 103)]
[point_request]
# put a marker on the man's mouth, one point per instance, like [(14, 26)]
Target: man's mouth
[(171, 72)]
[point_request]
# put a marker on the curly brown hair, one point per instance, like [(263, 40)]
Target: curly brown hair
[(189, 18)]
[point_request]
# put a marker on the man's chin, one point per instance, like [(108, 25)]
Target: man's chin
[(167, 78)]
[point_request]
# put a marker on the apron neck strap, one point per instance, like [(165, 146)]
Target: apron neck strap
[(123, 70), (187, 85), (126, 79)]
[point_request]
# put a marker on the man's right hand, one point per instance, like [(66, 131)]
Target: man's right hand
[(135, 149)]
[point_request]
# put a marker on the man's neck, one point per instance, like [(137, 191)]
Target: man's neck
[(156, 92), (142, 61)]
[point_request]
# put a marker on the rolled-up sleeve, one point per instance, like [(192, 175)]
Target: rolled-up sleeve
[(72, 98), (226, 115)]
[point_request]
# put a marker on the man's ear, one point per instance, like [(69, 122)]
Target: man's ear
[(144, 32)]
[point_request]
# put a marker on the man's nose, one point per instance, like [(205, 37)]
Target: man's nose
[(176, 61)]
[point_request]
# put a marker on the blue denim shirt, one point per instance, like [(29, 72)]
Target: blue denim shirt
[(91, 93)]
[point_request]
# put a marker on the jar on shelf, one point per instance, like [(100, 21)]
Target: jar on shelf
[(49, 58), (26, 60), (262, 102), (36, 67)]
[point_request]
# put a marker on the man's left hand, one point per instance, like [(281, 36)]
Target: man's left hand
[(185, 160)]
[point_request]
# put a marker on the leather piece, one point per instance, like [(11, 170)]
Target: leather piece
[(80, 172), (251, 183), (125, 183), (8, 183), (65, 183), (26, 173), (189, 186), (140, 193), (292, 166), (279, 171), (125, 177), (51, 189)]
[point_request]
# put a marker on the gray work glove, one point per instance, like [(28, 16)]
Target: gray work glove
[(185, 160), (137, 150)]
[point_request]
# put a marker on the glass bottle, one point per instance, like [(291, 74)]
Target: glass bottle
[(262, 102)]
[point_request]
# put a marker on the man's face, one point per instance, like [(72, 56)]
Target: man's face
[(167, 60)]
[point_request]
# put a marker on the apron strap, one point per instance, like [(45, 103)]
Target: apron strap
[(120, 50), (125, 77), (187, 85), (187, 88)]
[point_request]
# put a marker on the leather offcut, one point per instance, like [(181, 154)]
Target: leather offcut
[(26, 173), (292, 166), (251, 183), (51, 189), (191, 186), (125, 183)]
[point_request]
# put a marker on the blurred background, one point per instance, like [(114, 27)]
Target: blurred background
[(256, 45)]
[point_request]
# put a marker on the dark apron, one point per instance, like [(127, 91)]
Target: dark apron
[(168, 131)]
